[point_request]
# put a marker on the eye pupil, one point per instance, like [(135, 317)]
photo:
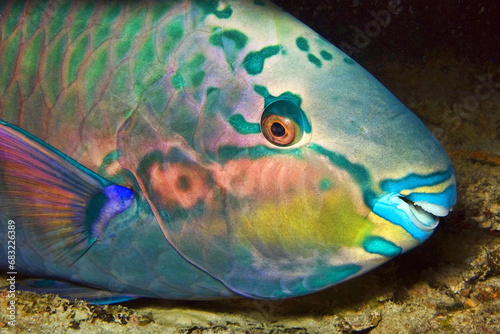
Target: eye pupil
[(277, 129)]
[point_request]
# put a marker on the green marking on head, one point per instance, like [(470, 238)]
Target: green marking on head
[(326, 55), (225, 13), (82, 19), (174, 34), (240, 125), (220, 39), (231, 41), (104, 28), (254, 61), (302, 44), (349, 61), (315, 60), (76, 58), (325, 185), (259, 2)]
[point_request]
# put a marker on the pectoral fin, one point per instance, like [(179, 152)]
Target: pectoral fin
[(62, 207)]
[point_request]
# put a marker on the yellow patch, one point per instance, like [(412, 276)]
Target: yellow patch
[(307, 223)]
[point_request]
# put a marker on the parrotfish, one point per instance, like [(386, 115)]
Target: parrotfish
[(200, 150)]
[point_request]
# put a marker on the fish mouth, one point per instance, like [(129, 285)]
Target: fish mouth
[(419, 218), (424, 215)]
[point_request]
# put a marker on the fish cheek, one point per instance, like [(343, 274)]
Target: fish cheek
[(293, 207)]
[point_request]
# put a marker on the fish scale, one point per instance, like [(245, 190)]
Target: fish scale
[(201, 149)]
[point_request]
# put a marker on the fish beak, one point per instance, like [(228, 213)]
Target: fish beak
[(417, 213)]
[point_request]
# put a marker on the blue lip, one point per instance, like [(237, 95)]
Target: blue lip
[(418, 212)]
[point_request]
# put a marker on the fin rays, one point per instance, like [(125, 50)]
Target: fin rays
[(48, 193)]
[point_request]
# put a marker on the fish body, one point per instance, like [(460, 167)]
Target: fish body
[(202, 149)]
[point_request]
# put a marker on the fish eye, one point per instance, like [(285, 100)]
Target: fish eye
[(281, 123)]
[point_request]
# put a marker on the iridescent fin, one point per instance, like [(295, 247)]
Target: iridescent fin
[(73, 291), (62, 207)]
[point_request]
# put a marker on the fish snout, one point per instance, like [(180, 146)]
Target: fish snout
[(418, 209)]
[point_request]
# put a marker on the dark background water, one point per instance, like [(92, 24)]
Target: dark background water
[(468, 28)]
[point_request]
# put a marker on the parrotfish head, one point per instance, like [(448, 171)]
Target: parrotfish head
[(300, 170)]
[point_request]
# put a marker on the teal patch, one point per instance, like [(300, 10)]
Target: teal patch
[(349, 61), (194, 70), (225, 13), (191, 72), (357, 171), (325, 185), (335, 275), (197, 78), (207, 6), (326, 55), (231, 41), (197, 61), (254, 61), (259, 2), (212, 101), (289, 96), (302, 44), (240, 125), (315, 60), (227, 153), (177, 81), (238, 38), (381, 246)]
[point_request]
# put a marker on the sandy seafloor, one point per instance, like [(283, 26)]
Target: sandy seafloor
[(431, 58)]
